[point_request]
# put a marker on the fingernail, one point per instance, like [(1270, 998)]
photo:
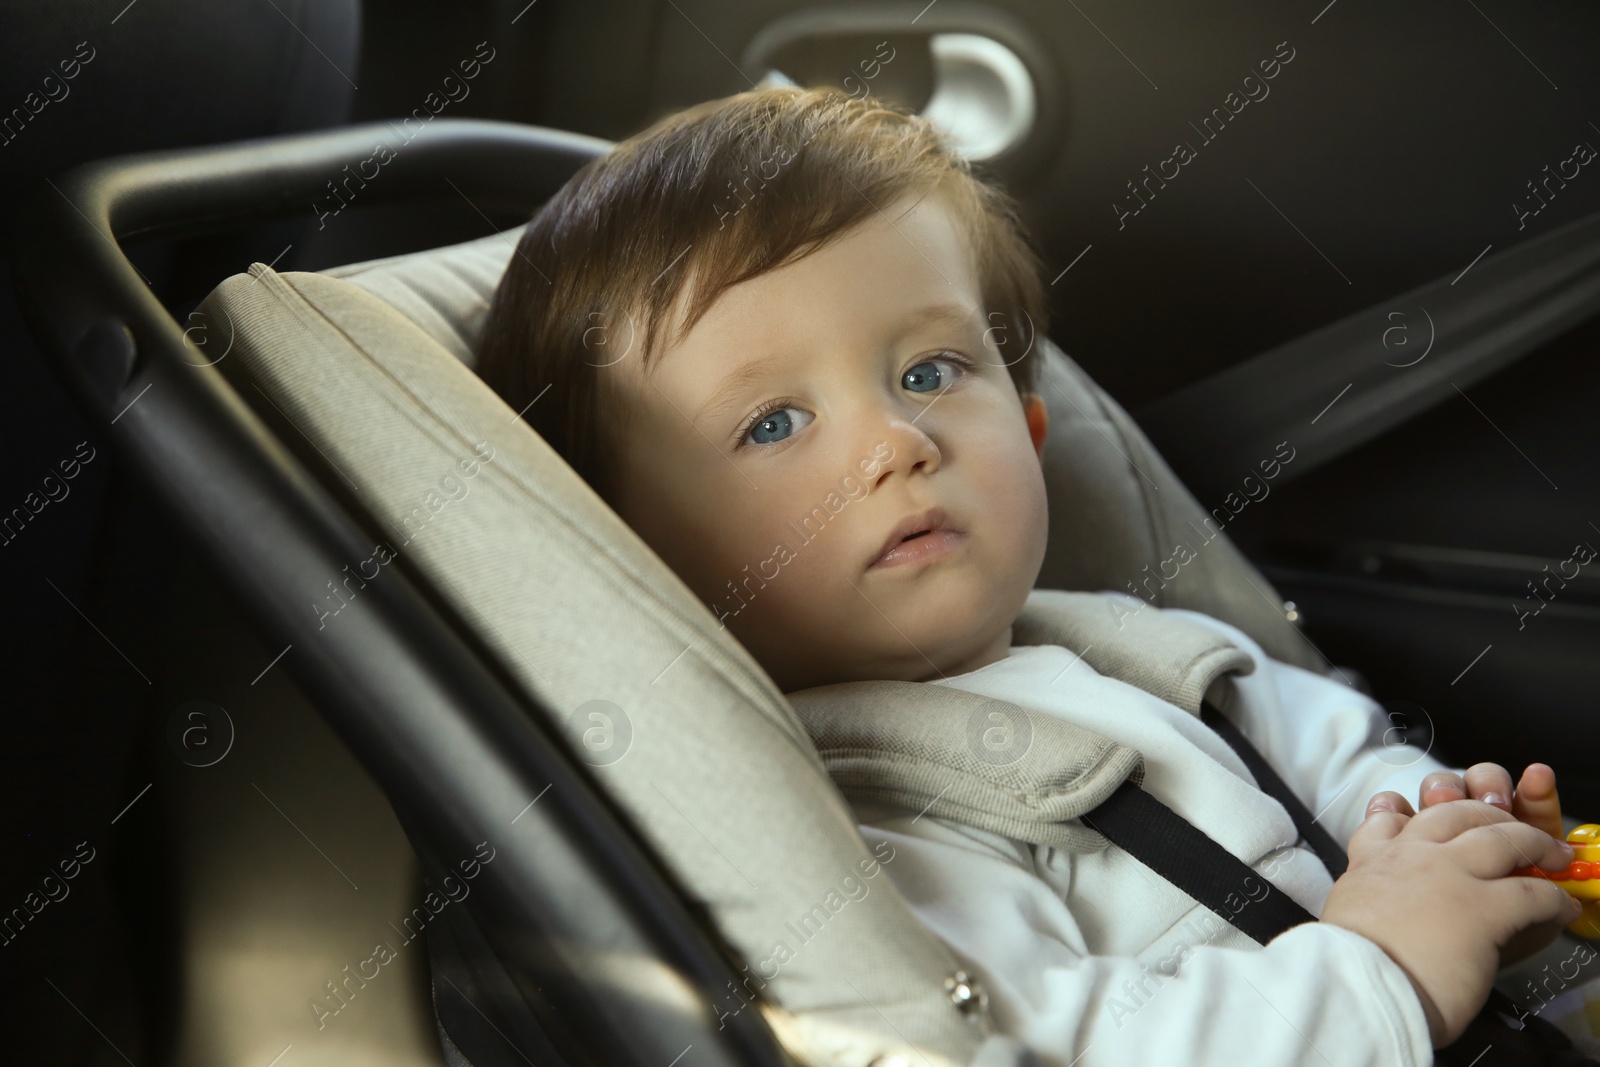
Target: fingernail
[(1497, 800)]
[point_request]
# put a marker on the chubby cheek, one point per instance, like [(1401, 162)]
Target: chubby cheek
[(712, 536), (795, 597), (774, 543), (718, 558), (684, 525), (1015, 511)]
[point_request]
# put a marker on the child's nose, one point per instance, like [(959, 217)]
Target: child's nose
[(901, 447)]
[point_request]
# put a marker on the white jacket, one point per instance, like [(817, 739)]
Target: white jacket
[(1094, 959)]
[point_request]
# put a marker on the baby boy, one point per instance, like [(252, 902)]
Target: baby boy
[(788, 337)]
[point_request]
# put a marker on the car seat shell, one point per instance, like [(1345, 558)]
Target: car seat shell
[(344, 416)]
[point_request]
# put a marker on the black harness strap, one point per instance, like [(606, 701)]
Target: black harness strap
[(1174, 848), (1315, 835)]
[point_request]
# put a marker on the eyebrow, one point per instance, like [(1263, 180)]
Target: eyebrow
[(737, 382), (733, 386)]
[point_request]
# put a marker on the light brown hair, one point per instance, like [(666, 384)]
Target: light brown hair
[(707, 198)]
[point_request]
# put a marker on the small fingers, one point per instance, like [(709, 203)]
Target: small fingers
[(1441, 787), (1530, 901), (1441, 822), (1388, 813), (1536, 802), (1389, 800), (1490, 783), (1494, 849)]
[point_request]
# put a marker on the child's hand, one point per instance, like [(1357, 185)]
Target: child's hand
[(1535, 801), (1431, 891)]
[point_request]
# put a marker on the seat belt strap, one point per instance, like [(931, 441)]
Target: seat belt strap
[(1315, 835), (1180, 852)]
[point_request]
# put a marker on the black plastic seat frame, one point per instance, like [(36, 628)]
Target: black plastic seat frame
[(451, 740)]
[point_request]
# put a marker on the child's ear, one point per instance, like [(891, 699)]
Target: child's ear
[(1038, 420)]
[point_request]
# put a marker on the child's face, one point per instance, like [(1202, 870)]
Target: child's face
[(875, 422)]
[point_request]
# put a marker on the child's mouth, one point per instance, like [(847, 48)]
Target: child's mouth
[(924, 547), (918, 538)]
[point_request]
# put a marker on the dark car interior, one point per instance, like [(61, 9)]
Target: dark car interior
[(1355, 246)]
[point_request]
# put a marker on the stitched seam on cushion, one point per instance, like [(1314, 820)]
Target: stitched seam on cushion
[(1099, 768), (1199, 659), (904, 760)]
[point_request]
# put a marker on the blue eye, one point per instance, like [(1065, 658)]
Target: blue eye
[(778, 420), (919, 380), (773, 424)]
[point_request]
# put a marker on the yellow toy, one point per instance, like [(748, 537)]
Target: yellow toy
[(1581, 878)]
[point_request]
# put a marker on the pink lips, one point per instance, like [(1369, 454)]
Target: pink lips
[(929, 546), (919, 538)]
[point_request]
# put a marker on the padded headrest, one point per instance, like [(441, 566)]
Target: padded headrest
[(446, 291)]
